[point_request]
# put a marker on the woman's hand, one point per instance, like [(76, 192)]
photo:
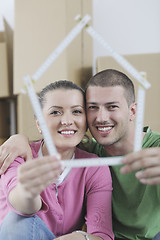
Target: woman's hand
[(33, 177), (148, 160), (16, 145)]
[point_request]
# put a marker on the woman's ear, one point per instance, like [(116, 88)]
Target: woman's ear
[(133, 110), (39, 129)]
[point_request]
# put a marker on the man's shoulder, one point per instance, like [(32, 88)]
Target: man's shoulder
[(151, 139), (90, 145)]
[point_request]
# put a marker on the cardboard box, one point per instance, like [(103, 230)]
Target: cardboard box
[(149, 63), (4, 80), (2, 140), (37, 40), (79, 54), (4, 118), (9, 42), (25, 118), (43, 33)]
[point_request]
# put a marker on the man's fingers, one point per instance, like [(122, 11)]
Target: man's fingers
[(150, 165), (143, 159), (149, 173), (142, 154), (5, 161), (3, 158), (28, 155), (150, 181), (140, 163)]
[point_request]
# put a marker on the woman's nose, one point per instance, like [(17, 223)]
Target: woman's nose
[(66, 120)]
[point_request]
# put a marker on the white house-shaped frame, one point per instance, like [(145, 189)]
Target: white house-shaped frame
[(144, 85)]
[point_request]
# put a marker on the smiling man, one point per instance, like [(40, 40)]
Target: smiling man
[(111, 111)]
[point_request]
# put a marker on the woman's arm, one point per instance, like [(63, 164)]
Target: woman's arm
[(33, 177), (98, 207), (99, 210), (16, 145), (22, 203)]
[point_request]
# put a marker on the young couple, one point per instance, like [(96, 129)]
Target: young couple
[(61, 200)]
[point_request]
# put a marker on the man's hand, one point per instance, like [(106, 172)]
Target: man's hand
[(16, 145), (147, 161)]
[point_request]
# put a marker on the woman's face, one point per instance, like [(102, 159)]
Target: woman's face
[(64, 112)]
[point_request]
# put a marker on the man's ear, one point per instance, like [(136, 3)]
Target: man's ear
[(133, 110), (39, 129)]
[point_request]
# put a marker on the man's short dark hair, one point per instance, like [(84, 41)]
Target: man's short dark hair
[(112, 77)]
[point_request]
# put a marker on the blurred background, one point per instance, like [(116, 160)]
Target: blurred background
[(31, 29)]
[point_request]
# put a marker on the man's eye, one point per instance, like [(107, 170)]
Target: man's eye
[(112, 107), (92, 107)]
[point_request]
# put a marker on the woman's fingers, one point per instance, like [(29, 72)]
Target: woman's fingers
[(36, 175)]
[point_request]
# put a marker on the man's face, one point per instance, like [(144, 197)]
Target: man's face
[(108, 114)]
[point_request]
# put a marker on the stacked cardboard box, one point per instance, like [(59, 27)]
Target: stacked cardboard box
[(40, 26), (4, 81), (4, 120)]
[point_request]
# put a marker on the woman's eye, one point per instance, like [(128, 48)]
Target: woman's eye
[(77, 111), (55, 113)]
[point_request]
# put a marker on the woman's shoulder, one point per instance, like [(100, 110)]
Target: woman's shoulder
[(97, 172), (35, 146)]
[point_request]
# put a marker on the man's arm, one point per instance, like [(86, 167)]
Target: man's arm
[(16, 145)]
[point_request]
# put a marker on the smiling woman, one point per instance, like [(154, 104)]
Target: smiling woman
[(63, 107), (58, 201)]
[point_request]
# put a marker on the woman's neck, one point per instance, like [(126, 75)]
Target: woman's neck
[(64, 153)]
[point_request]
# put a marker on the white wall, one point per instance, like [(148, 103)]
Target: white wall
[(7, 11), (129, 26)]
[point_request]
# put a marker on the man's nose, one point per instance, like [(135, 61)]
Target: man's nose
[(102, 115)]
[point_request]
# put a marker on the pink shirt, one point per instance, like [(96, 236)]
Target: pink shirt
[(84, 195)]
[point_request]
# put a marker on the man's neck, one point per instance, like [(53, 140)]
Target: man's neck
[(121, 148)]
